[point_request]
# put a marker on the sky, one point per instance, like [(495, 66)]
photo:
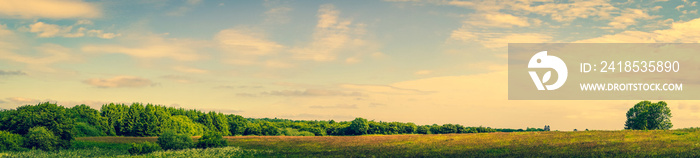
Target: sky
[(421, 61)]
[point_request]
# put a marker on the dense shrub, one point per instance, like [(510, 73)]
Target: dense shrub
[(423, 130), (52, 117), (41, 138), (170, 140), (83, 129), (295, 132), (10, 141), (143, 148), (211, 140)]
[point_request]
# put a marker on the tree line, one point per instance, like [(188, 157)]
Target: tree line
[(138, 119)]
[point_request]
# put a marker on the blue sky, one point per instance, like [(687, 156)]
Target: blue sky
[(422, 61)]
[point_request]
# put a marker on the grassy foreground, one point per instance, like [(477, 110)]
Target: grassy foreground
[(668, 143)]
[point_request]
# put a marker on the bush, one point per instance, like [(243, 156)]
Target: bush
[(41, 138), (170, 140), (83, 129), (10, 141), (295, 132), (52, 117), (143, 148), (211, 140)]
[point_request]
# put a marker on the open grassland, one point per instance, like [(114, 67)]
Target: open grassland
[(668, 143)]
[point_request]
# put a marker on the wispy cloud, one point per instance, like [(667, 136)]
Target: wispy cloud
[(119, 81), (45, 30), (190, 70), (48, 54), (179, 78), (629, 17), (312, 92), (338, 106), (186, 7), (12, 73), (332, 36), (53, 9), (153, 47), (680, 32)]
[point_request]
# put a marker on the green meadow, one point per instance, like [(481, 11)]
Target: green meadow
[(626, 143)]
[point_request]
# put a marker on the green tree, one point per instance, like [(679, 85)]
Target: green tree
[(425, 129), (646, 115), (10, 141), (41, 138), (268, 128), (236, 124), (253, 129), (116, 117), (52, 117), (83, 113), (183, 124), (211, 139), (170, 140), (359, 126)]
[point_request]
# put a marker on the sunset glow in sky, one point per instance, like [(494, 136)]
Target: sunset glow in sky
[(421, 61)]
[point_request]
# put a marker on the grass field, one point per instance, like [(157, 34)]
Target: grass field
[(668, 143)]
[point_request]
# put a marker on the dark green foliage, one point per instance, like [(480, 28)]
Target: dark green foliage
[(10, 141), (295, 132), (211, 139), (41, 138), (252, 129), (646, 115), (423, 129), (143, 148), (170, 140), (92, 117), (315, 130), (359, 126), (152, 120), (52, 117), (268, 128), (183, 124), (82, 129), (236, 124)]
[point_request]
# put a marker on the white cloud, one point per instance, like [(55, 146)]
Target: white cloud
[(102, 34), (629, 17), (679, 7), (186, 7), (119, 81), (423, 72), (312, 92), (54, 9), (51, 30), (496, 19), (47, 54), (497, 40), (190, 70), (680, 32), (245, 42), (331, 37), (152, 47), (277, 15), (337, 106), (48, 30), (179, 78), (557, 11), (382, 89)]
